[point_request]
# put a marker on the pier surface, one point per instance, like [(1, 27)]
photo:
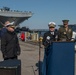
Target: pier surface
[(30, 58)]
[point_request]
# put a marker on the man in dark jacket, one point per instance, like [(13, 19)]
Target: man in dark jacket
[(51, 35), (48, 38), (9, 43)]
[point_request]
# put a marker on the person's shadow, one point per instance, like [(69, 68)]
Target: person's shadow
[(39, 65)]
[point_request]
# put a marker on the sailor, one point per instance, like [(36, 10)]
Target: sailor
[(65, 32), (50, 35), (48, 38)]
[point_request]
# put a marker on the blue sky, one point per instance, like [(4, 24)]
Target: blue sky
[(44, 11)]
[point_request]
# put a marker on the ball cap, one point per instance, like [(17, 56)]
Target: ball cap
[(52, 24), (7, 23)]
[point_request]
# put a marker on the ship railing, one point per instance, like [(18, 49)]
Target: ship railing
[(16, 11), (1, 10)]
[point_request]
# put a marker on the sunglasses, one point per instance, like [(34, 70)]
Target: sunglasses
[(13, 27), (51, 27), (65, 24)]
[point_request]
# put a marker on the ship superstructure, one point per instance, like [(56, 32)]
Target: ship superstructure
[(13, 15)]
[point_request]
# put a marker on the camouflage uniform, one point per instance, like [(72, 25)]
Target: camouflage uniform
[(63, 34)]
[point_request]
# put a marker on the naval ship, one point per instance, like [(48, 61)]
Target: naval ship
[(13, 15)]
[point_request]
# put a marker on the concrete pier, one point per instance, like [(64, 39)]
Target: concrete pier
[(29, 58)]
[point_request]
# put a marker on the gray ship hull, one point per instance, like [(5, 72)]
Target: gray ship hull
[(16, 16)]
